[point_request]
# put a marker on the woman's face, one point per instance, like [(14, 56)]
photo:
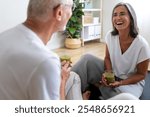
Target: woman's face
[(121, 18)]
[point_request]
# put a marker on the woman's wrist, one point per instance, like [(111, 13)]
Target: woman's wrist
[(120, 83)]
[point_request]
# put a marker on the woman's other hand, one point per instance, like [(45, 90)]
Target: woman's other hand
[(115, 84), (104, 81)]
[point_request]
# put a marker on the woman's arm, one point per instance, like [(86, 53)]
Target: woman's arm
[(107, 66), (139, 75), (107, 61)]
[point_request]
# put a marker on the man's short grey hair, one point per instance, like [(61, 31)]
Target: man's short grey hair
[(40, 9)]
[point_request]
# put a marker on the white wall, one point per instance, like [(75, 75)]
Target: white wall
[(12, 12), (56, 41)]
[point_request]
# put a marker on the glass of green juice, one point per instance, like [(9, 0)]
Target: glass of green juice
[(110, 77)]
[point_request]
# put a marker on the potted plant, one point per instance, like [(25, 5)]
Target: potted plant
[(74, 26)]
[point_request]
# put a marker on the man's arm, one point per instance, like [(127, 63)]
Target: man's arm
[(65, 72)]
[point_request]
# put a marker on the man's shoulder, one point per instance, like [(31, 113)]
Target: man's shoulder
[(8, 32)]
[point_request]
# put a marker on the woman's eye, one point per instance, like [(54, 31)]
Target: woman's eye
[(121, 14), (115, 14)]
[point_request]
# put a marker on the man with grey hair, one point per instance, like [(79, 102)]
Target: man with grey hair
[(28, 70)]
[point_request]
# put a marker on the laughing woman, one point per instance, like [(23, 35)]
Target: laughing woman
[(127, 55)]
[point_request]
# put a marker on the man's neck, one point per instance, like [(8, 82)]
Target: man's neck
[(41, 29)]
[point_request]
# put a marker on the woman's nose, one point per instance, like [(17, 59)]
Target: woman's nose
[(118, 17)]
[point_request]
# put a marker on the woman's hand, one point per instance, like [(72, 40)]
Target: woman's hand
[(115, 84), (104, 81)]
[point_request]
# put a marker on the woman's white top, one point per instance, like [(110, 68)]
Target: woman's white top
[(125, 64)]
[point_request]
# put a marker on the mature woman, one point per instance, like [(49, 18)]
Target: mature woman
[(127, 55)]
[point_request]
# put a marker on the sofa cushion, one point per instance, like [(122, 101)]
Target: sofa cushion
[(146, 92)]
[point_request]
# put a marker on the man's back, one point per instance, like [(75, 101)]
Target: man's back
[(28, 70)]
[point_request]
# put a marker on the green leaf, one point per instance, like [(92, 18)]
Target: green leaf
[(74, 25), (72, 30)]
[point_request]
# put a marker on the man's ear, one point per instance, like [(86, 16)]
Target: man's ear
[(58, 12)]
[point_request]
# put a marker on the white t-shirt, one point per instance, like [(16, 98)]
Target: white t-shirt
[(125, 64), (28, 70)]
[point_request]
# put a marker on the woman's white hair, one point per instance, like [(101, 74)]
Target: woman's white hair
[(39, 9)]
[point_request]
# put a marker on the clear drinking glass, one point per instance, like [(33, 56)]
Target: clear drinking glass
[(110, 76)]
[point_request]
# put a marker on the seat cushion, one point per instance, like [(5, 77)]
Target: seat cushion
[(146, 92)]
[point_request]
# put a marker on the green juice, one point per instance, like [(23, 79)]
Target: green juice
[(65, 58), (110, 77)]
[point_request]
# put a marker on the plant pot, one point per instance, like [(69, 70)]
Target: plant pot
[(72, 43)]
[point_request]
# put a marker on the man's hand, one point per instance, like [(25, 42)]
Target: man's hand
[(65, 70)]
